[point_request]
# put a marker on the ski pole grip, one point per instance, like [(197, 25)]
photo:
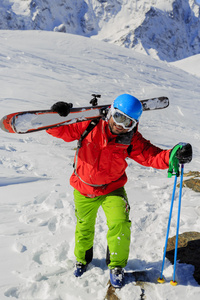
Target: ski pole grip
[(174, 162)]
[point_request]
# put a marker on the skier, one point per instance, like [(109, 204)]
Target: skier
[(99, 177)]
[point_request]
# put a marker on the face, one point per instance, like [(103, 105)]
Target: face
[(116, 129)]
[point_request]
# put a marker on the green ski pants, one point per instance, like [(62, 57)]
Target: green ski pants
[(116, 209)]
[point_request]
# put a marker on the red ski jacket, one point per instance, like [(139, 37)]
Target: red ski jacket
[(101, 161)]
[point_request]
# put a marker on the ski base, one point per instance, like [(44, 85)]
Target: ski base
[(31, 121)]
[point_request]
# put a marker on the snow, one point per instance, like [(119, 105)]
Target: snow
[(164, 5), (189, 64), (36, 208), (20, 8)]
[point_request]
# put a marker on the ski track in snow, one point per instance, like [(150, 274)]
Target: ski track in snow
[(37, 209)]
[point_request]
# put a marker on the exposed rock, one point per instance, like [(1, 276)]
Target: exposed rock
[(193, 182), (111, 293), (188, 251)]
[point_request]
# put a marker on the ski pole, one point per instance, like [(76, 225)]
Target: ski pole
[(161, 279), (173, 282)]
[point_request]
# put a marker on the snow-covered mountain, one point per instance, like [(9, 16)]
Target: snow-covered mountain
[(165, 29)]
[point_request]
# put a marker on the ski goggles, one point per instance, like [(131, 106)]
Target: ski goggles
[(123, 120)]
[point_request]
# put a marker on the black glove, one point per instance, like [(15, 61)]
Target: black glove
[(184, 153), (62, 108)]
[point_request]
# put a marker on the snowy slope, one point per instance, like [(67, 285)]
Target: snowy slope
[(189, 64), (36, 207), (164, 29)]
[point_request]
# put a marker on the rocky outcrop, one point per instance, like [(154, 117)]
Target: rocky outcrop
[(188, 251), (110, 295), (188, 242), (193, 181)]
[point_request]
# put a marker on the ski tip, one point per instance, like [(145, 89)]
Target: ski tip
[(2, 126), (5, 124), (155, 103)]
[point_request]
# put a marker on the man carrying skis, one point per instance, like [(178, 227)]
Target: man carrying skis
[(99, 177)]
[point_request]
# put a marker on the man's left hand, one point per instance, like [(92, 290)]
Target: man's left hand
[(184, 153)]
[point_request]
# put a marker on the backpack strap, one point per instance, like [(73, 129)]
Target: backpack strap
[(90, 127)]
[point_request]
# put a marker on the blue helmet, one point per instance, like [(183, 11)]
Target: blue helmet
[(129, 105)]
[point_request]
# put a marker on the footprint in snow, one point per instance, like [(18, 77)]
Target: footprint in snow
[(19, 247), (12, 292), (52, 224)]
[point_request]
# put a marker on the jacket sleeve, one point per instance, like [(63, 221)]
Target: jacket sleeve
[(70, 132), (147, 154)]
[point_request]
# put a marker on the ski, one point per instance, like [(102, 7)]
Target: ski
[(31, 121)]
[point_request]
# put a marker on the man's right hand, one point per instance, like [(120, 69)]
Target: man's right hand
[(62, 108)]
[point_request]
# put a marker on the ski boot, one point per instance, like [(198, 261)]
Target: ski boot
[(80, 269), (117, 277)]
